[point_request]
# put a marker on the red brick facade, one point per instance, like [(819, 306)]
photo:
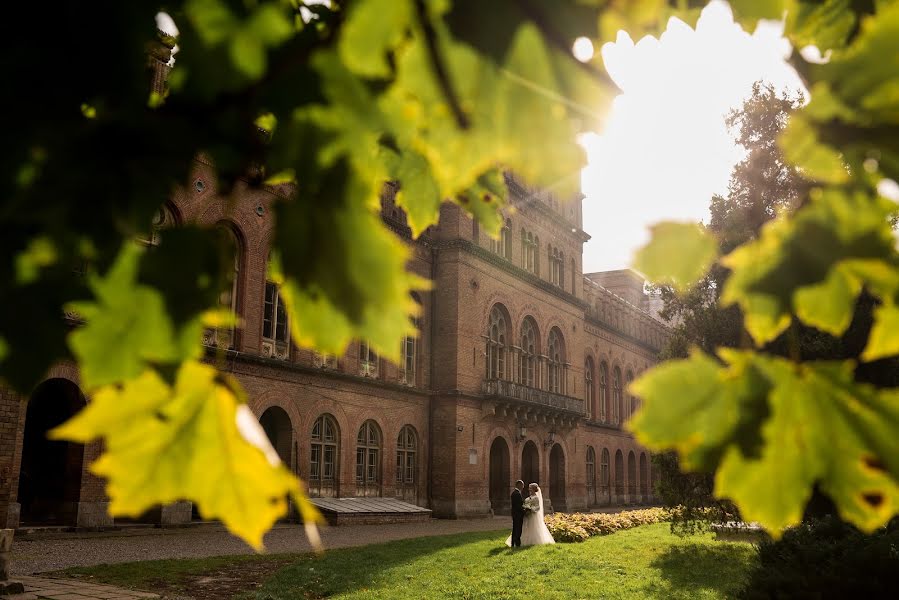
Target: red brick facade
[(474, 431), (475, 414)]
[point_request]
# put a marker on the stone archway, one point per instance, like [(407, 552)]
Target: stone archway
[(530, 463), (277, 426), (50, 475), (500, 476), (557, 477)]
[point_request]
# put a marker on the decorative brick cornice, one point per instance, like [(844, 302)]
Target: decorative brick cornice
[(233, 356), (510, 268), (591, 320)]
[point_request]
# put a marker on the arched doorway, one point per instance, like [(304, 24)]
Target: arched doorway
[(277, 427), (619, 477), (50, 475), (557, 477), (644, 479), (631, 477), (530, 463), (500, 476)]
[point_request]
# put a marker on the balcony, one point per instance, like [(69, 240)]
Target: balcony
[(500, 389)]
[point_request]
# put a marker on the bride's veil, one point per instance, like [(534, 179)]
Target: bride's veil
[(540, 499)]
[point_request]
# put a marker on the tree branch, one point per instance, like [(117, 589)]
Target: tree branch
[(439, 67)]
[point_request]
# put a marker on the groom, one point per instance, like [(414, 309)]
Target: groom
[(517, 513)]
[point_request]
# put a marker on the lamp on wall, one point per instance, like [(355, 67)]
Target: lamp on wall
[(550, 440)]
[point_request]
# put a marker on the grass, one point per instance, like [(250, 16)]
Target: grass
[(645, 562)]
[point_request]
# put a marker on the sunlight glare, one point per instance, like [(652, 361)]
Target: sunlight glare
[(582, 49), (665, 150)]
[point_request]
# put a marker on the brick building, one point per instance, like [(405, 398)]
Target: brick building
[(519, 371)]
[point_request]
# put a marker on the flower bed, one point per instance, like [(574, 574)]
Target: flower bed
[(577, 527)]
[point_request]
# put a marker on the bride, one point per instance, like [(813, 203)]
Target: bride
[(533, 530)]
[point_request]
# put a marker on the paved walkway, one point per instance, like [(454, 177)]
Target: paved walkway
[(50, 552), (62, 589)]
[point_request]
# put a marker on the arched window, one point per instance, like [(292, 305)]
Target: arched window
[(629, 377), (536, 257), (164, 218), (603, 391), (275, 329), (616, 396), (323, 463), (224, 337), (368, 360), (591, 475), (573, 278), (604, 473), (589, 389), (556, 352), (497, 336), (406, 449), (368, 460), (527, 364), (409, 351), (503, 245), (530, 245)]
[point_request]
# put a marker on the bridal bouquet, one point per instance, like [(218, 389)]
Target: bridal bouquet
[(531, 504)]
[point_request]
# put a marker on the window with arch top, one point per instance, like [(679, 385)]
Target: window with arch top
[(589, 389), (325, 440), (556, 352), (406, 452), (527, 367), (368, 454), (497, 336), (616, 396), (603, 391)]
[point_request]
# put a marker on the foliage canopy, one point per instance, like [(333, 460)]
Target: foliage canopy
[(442, 97)]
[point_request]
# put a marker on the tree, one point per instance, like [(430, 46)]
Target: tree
[(441, 97), (762, 186), (806, 403)]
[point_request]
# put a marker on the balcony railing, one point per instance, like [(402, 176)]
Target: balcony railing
[(509, 390)]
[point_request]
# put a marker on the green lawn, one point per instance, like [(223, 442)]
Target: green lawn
[(646, 562)]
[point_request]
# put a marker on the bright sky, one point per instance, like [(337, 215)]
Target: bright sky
[(665, 149)]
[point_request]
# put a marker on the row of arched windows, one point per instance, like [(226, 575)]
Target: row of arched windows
[(324, 468), (600, 489), (597, 401), (528, 369), (275, 320)]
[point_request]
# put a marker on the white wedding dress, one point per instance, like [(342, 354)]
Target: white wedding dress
[(533, 530)]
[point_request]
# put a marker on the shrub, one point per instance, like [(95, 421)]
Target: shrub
[(826, 559), (577, 527)]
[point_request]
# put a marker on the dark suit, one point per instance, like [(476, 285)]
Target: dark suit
[(517, 516)]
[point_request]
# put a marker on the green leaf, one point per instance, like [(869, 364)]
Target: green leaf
[(774, 429), (817, 160), (748, 12), (41, 252), (127, 326), (706, 414), (193, 441), (342, 270), (678, 254), (419, 194), (829, 305), (883, 340), (248, 54), (835, 228), (823, 24), (372, 29)]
